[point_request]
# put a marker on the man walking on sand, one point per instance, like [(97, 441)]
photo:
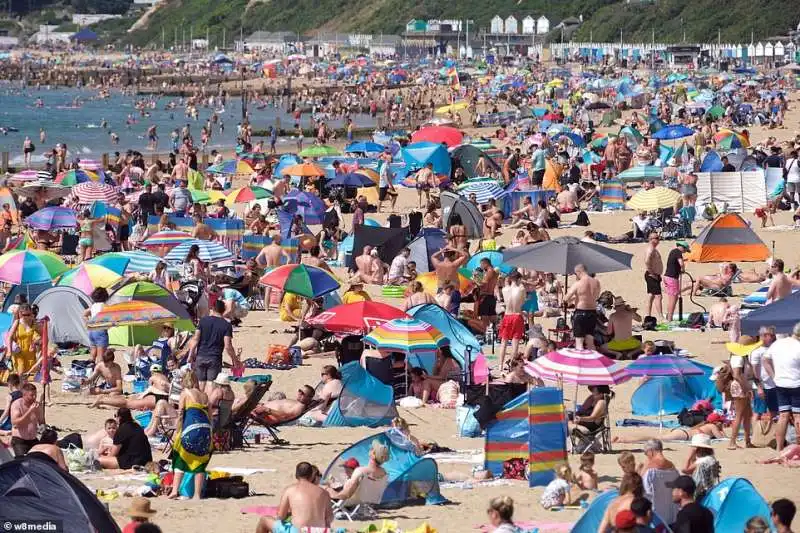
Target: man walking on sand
[(653, 269), (512, 326), (305, 501), (584, 320), (270, 257)]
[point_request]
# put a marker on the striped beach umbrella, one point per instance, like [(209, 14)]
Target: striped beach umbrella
[(641, 173), (90, 164), (166, 239), (87, 277), (30, 175), (663, 365), (88, 192), (406, 335), (243, 195), (74, 177), (654, 199), (24, 241), (302, 280), (729, 139), (30, 266), (210, 251), (582, 367), (484, 190), (132, 313), (51, 218), (135, 261), (231, 166)]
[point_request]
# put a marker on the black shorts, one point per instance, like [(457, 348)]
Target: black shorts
[(124, 232), (538, 178), (487, 305), (207, 369), (789, 400), (653, 284), (584, 322), (22, 446), (382, 193)]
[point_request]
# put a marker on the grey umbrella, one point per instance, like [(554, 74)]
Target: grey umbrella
[(561, 255)]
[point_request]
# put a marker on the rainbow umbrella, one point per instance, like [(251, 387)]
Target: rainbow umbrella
[(166, 239), (303, 280), (30, 266), (431, 283), (89, 192), (51, 218), (23, 241), (74, 177), (728, 140), (231, 166), (206, 197), (582, 367), (407, 335), (131, 313), (255, 158), (87, 277), (246, 194), (319, 150)]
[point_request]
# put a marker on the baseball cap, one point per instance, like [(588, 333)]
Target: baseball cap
[(625, 519), (682, 244), (351, 463), (685, 483)]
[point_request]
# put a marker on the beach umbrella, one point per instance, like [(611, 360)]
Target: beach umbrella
[(306, 204), (74, 177), (30, 175), (677, 131), (352, 179), (246, 194), (303, 280), (438, 134), (51, 218), (641, 173), (89, 192), (166, 239), (318, 150), (430, 281), (24, 241), (483, 190), (135, 261), (132, 313), (407, 335), (210, 251), (452, 108), (631, 134), (561, 255), (147, 291), (581, 367), (495, 258), (598, 105), (716, 112), (654, 199), (87, 277), (358, 318), (364, 147), (303, 169), (46, 190), (205, 197), (231, 166), (255, 158), (90, 164), (729, 139), (557, 129), (662, 365), (30, 266)]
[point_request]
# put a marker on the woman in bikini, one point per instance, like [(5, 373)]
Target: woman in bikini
[(86, 241), (711, 427), (458, 233)]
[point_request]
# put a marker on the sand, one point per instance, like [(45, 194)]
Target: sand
[(467, 507)]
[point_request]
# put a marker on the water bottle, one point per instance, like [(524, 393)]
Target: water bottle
[(296, 355), (490, 334)]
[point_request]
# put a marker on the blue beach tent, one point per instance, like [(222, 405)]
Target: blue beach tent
[(735, 501), (671, 394), (364, 400)]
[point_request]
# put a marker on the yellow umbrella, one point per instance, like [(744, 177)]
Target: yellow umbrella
[(555, 83), (654, 199), (452, 108), (370, 193)]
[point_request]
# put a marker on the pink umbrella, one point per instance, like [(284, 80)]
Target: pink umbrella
[(91, 191), (582, 367)]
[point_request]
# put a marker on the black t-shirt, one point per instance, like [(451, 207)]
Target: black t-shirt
[(134, 446), (694, 518), (673, 268), (160, 199), (774, 161), (213, 330), (27, 209), (728, 168), (147, 203)]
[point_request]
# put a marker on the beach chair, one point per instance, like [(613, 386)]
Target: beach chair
[(596, 441), (274, 429), (360, 506), (239, 420), (220, 437), (723, 292)]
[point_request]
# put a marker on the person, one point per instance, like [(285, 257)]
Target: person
[(656, 472), (672, 276), (48, 447), (193, 266), (308, 504), (130, 446), (355, 293), (586, 478), (277, 411), (157, 390), (556, 493), (26, 414), (14, 393), (585, 292), (457, 232), (630, 489), (702, 465), (446, 264), (642, 510), (315, 260), (593, 411), (623, 344), (741, 387), (416, 296), (692, 517), (201, 230), (715, 281), (444, 366), (159, 275), (627, 462), (783, 512), (372, 474), (111, 373), (426, 180), (180, 198), (236, 305), (220, 392), (782, 362), (191, 450), (512, 326), (781, 285), (398, 269), (766, 390), (364, 265), (26, 333), (140, 512), (86, 241), (501, 514), (213, 336), (271, 256), (711, 427), (331, 389), (539, 165), (422, 388), (98, 337), (653, 269), (386, 185)]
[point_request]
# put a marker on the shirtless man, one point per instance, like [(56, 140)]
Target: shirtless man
[(781, 285), (282, 187), (585, 292), (305, 501), (623, 345), (270, 257), (364, 265), (714, 281), (527, 212), (486, 303), (47, 446), (277, 411), (653, 270), (512, 327), (446, 264), (314, 259), (202, 230), (567, 201), (111, 373), (158, 389)]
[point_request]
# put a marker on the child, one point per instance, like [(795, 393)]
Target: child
[(140, 512), (556, 493), (627, 462), (765, 213), (587, 476)]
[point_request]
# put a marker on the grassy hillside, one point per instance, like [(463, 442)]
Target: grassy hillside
[(603, 18)]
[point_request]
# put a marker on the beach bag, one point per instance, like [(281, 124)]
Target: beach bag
[(696, 320), (690, 418), (724, 378), (227, 487), (448, 394), (516, 468), (583, 219), (466, 422), (649, 323), (278, 354)]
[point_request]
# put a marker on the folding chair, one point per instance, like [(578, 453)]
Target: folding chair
[(723, 292), (597, 440), (360, 506), (221, 438), (274, 429), (240, 417)]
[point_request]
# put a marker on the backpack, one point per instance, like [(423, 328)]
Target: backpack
[(690, 418), (724, 378), (583, 219), (696, 320), (649, 323)]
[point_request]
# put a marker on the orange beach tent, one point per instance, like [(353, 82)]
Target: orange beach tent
[(728, 238)]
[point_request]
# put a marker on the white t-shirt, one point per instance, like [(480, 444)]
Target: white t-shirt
[(755, 358), (96, 308), (785, 357), (398, 267), (792, 167)]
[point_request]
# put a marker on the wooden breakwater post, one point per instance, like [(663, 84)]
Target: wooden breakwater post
[(4, 162)]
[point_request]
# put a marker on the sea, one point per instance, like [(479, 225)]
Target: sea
[(76, 117)]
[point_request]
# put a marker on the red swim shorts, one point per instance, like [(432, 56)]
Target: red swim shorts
[(512, 327)]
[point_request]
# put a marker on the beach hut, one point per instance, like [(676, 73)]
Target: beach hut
[(364, 400), (530, 427), (734, 501), (727, 239)]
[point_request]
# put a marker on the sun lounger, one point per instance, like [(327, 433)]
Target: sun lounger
[(239, 419), (274, 429)]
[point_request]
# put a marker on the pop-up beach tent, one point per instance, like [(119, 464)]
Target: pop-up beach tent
[(411, 478), (427, 242), (388, 242), (364, 400), (728, 238), (669, 395), (734, 501), (65, 307), (590, 520), (419, 154), (532, 427), (467, 157), (471, 217), (782, 315)]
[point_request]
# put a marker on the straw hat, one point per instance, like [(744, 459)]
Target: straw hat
[(222, 379), (140, 508), (701, 440), (744, 347)]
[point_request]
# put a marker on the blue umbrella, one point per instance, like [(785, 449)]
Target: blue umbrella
[(495, 258), (306, 204), (353, 179), (131, 262), (210, 251), (51, 218), (364, 147), (576, 139), (673, 132)]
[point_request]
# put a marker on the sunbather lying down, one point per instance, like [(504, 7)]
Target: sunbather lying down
[(790, 456), (277, 411), (711, 427)]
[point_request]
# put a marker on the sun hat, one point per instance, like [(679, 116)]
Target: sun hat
[(746, 345), (140, 508), (619, 301), (701, 440), (351, 463), (222, 379)]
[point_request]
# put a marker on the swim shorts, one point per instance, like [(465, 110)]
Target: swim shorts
[(512, 327), (789, 400), (653, 284), (98, 338), (624, 345), (584, 322), (487, 305), (672, 286)]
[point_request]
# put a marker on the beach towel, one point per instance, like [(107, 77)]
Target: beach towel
[(637, 422), (192, 450), (534, 525)]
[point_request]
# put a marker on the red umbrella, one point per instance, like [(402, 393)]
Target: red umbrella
[(358, 318), (438, 134), (552, 117)]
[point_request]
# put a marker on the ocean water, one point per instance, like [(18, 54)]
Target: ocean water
[(80, 127)]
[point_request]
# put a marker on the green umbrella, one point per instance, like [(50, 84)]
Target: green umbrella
[(319, 150), (716, 112), (641, 173)]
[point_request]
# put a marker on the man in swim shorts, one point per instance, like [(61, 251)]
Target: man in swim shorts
[(512, 326), (584, 320)]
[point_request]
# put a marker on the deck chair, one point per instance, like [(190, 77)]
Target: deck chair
[(596, 441), (221, 438), (274, 429), (360, 506), (723, 292), (239, 420), (255, 296)]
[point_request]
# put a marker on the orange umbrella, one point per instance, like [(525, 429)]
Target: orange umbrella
[(430, 282), (303, 169)]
